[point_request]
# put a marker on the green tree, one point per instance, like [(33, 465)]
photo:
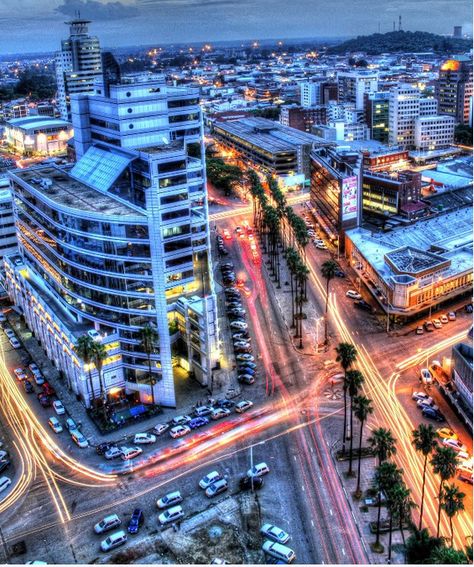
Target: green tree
[(387, 475), (85, 350), (463, 134), (148, 339), (444, 464), (448, 556), (383, 443), (362, 409), (98, 356), (346, 356), (452, 503), (328, 271), (355, 379), (420, 545), (424, 441)]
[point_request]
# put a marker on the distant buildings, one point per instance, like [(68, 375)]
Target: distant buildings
[(454, 89), (335, 193), (38, 135), (310, 93), (121, 241), (268, 145)]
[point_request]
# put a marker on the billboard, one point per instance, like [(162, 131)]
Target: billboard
[(349, 198)]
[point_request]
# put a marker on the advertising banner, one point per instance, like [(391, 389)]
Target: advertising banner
[(349, 198)]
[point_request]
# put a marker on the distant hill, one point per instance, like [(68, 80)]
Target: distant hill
[(405, 41)]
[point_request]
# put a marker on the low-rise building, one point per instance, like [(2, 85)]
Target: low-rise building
[(302, 118), (38, 135), (434, 132)]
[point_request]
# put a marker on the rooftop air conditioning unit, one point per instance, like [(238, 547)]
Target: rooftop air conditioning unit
[(46, 183)]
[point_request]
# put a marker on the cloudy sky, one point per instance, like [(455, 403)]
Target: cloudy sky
[(38, 25)]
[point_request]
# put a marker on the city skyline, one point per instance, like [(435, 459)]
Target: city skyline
[(25, 25)]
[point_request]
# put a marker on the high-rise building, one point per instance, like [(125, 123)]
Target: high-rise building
[(78, 64), (310, 93), (454, 89), (457, 32), (120, 241), (353, 85), (434, 132), (376, 115)]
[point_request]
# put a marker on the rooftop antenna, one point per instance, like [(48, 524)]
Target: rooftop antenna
[(379, 27), (393, 25), (400, 22)]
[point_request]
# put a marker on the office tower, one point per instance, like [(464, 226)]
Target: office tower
[(78, 64), (403, 110), (376, 115), (457, 33), (352, 85), (454, 89), (121, 241), (433, 132), (310, 93)]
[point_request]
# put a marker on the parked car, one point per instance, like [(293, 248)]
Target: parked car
[(4, 483), (419, 330), (202, 411), (427, 404), (9, 332), (353, 294), (48, 389), (429, 327), (243, 349), (71, 425), (275, 533), (452, 316), (219, 413), (446, 433), (108, 523), (198, 422), (421, 396), (181, 420), (171, 515), (19, 374), (258, 470), (430, 413), (278, 551), (160, 428), (136, 521), (4, 464), (246, 370), (238, 325), (246, 357), (425, 376), (58, 407), (242, 406), (112, 453), (437, 324), (246, 379), (171, 499), (455, 444), (113, 541), (444, 319), (229, 404), (129, 453), (144, 438), (340, 274), (247, 482), (44, 400), (321, 246), (248, 364), (242, 344), (179, 431), (242, 336), (216, 488), (3, 455), (102, 448), (15, 343), (28, 386), (79, 439), (361, 304), (206, 481), (53, 422)]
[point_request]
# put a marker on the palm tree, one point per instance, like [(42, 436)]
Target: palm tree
[(292, 262), (148, 338), (99, 354), (386, 476), (383, 443), (362, 410), (301, 277), (346, 355), (420, 545), (328, 271), (448, 556), (400, 504), (424, 441), (354, 379), (453, 502), (444, 464), (85, 349)]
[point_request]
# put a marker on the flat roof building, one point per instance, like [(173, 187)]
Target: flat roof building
[(39, 135)]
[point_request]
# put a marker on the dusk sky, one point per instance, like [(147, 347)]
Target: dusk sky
[(38, 25)]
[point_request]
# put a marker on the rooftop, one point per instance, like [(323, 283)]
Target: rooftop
[(69, 192), (38, 122)]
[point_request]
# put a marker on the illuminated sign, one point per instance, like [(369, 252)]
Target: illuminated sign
[(349, 198)]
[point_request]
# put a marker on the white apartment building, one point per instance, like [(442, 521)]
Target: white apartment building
[(353, 85), (121, 241), (310, 93), (78, 64), (8, 242), (433, 132)]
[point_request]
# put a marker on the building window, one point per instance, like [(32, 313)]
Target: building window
[(130, 110), (128, 94)]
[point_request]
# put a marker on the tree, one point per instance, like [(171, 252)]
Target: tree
[(148, 338), (301, 278), (403, 505), (346, 355), (444, 464), (328, 271), (36, 84), (85, 349), (99, 354), (420, 545), (387, 475), (383, 443), (354, 380), (452, 503), (448, 556), (463, 134), (362, 410), (424, 441)]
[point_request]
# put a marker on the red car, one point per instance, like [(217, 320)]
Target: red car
[(48, 389)]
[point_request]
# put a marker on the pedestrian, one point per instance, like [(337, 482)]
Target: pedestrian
[(175, 527)]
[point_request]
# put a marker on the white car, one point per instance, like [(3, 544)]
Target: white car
[(209, 479), (238, 325), (421, 396), (170, 499), (181, 420), (107, 523), (10, 333), (58, 407), (15, 342), (20, 374), (218, 413), (129, 453), (171, 515), (179, 431), (242, 406), (321, 246), (353, 294), (426, 376), (3, 455), (275, 533), (246, 357), (452, 316), (437, 324), (455, 444), (280, 552), (4, 483), (444, 319), (216, 488), (113, 453), (161, 428), (144, 438), (113, 541), (258, 470), (427, 404), (53, 422)]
